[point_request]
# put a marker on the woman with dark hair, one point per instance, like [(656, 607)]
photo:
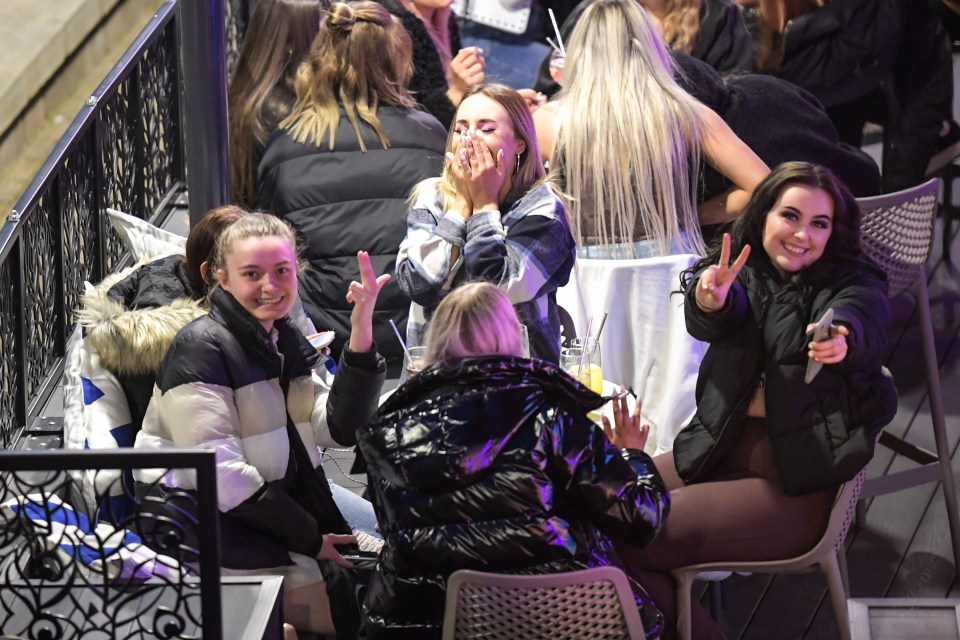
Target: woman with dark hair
[(486, 460), (261, 92), (343, 163), (754, 474)]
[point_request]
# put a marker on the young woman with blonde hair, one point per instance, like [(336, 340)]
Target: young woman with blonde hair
[(261, 92), (342, 164), (492, 215), (632, 166), (488, 460)]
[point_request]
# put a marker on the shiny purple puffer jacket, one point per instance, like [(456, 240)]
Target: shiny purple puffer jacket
[(492, 464)]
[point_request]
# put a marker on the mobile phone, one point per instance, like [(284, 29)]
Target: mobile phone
[(321, 340), (821, 331)]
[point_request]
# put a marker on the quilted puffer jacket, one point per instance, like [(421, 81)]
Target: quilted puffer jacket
[(823, 432), (492, 464)]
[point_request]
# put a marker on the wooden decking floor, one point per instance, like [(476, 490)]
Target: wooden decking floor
[(902, 549)]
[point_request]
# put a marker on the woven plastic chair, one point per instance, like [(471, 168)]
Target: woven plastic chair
[(828, 555), (897, 231), (579, 605)]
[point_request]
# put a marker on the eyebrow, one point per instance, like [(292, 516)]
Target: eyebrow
[(257, 266), (480, 121)]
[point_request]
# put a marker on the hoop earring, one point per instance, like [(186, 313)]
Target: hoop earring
[(517, 168)]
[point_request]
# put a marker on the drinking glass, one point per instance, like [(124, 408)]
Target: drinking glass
[(557, 63), (585, 367), (413, 362)]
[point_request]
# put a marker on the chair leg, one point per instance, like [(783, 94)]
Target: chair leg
[(831, 567), (716, 601), (684, 582), (937, 415), (844, 574)]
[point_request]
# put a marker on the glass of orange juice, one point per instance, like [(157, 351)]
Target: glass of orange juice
[(585, 367)]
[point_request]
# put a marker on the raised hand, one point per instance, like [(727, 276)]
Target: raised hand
[(716, 280), (461, 180), (363, 296), (628, 433), (466, 70), (329, 552), (831, 350), (486, 173)]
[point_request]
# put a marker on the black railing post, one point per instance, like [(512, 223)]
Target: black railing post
[(205, 104)]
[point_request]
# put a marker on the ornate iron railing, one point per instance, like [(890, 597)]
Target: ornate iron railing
[(125, 150), (152, 573)]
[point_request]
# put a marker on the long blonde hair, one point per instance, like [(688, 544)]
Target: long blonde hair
[(527, 173), (681, 24), (361, 58), (629, 143)]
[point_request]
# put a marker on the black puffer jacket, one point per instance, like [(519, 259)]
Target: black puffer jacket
[(347, 200), (491, 464), (823, 432), (429, 82)]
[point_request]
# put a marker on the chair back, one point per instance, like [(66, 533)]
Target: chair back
[(896, 230), (644, 343), (593, 603)]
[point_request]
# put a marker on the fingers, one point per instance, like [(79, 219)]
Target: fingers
[(340, 538), (725, 250), (829, 351), (741, 259), (608, 430), (366, 269)]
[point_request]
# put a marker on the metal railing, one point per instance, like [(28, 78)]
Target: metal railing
[(126, 149)]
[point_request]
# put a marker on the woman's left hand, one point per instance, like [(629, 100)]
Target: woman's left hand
[(363, 296), (629, 432), (486, 172), (833, 349)]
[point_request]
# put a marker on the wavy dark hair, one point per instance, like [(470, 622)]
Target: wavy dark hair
[(843, 246)]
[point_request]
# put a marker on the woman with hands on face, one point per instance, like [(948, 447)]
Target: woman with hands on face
[(492, 215), (754, 474)]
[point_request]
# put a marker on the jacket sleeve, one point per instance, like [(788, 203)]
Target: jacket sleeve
[(620, 491), (864, 308), (354, 396), (531, 257), (708, 327), (425, 268)]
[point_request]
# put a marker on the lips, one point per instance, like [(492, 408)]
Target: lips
[(795, 250)]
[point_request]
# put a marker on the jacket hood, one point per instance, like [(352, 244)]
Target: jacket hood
[(131, 342), (486, 400)]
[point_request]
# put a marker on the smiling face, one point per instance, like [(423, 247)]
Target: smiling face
[(490, 119), (798, 227), (261, 273)]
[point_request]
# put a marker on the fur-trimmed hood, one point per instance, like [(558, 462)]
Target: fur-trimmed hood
[(132, 341)]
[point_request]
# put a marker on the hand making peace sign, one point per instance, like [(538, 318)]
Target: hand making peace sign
[(716, 280)]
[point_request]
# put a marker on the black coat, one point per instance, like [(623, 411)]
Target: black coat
[(491, 464), (822, 433), (779, 121), (429, 82), (347, 200)]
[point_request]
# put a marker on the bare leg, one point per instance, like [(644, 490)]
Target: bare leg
[(308, 609)]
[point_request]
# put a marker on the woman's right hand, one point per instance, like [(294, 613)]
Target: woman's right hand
[(461, 180), (716, 280), (466, 70), (329, 552)]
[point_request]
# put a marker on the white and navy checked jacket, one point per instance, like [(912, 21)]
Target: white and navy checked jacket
[(527, 251)]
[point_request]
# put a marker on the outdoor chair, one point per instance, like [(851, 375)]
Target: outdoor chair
[(897, 232), (578, 605), (828, 555)]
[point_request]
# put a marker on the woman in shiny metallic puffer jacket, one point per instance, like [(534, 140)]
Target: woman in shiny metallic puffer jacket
[(489, 462)]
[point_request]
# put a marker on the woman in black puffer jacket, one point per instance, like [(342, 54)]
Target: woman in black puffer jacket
[(489, 462), (341, 166)]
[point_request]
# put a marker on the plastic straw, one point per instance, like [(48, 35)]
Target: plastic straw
[(553, 45), (584, 348), (402, 343), (556, 30), (603, 321)]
